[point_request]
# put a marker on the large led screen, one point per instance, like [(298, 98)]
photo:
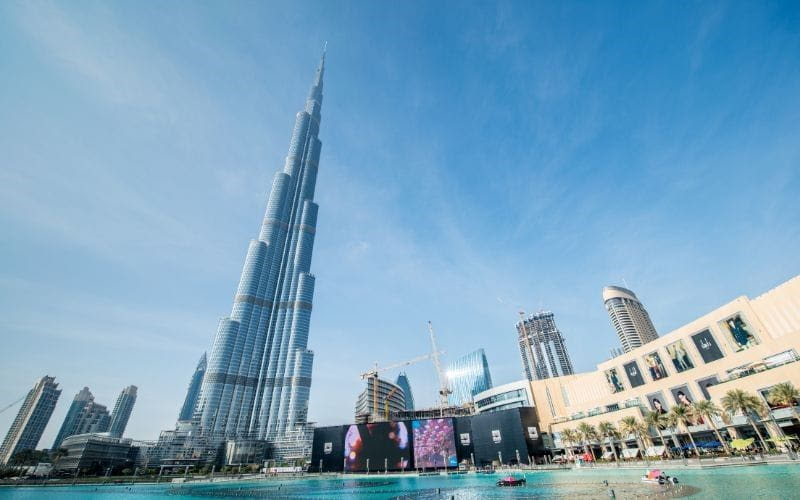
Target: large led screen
[(634, 375), (707, 346), (377, 446), (434, 445)]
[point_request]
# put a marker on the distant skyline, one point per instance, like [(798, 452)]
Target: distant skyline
[(476, 160)]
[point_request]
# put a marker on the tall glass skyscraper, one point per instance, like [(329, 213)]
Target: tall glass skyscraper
[(259, 371), (32, 418), (467, 376), (544, 353), (403, 383), (79, 402), (122, 411), (193, 392)]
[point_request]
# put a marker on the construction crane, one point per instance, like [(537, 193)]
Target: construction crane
[(444, 388), (12, 404), (373, 374)]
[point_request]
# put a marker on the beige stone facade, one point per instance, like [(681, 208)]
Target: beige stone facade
[(749, 344)]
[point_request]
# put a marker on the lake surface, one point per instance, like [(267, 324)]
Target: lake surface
[(773, 481)]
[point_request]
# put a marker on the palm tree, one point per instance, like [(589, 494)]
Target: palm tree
[(659, 421), (608, 431), (629, 425), (707, 411), (588, 434), (682, 416), (570, 437), (784, 394), (739, 401)]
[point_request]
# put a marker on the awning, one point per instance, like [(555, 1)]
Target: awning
[(655, 451), (630, 452), (608, 455)]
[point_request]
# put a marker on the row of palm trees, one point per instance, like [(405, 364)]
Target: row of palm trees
[(680, 417)]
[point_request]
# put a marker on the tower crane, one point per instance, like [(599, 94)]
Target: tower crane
[(444, 388), (12, 404), (373, 374)]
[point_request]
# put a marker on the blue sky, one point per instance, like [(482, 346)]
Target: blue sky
[(477, 158)]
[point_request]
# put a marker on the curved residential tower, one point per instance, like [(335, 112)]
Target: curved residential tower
[(629, 317), (258, 377)]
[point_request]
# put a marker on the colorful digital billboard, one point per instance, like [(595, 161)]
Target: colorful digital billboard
[(378, 446), (679, 356), (434, 443)]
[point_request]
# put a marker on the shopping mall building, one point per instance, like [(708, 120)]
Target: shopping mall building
[(748, 344)]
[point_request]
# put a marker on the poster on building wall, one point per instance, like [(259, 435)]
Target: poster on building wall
[(327, 448), (683, 397), (654, 366), (496, 437), (634, 374), (705, 383), (612, 377), (739, 332), (679, 356), (657, 402), (533, 433), (707, 346), (464, 438)]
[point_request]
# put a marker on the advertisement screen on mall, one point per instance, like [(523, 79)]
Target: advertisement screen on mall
[(378, 446), (434, 443)]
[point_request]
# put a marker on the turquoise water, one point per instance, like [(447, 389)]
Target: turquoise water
[(774, 481)]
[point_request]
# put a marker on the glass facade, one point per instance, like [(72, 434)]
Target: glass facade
[(403, 383), (192, 393), (467, 376), (259, 371)]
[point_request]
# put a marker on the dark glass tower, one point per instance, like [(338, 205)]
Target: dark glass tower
[(259, 371), (71, 421), (189, 404), (122, 411)]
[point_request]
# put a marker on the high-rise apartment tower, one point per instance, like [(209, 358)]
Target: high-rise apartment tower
[(32, 418), (544, 353), (122, 411), (79, 402), (629, 317), (259, 370)]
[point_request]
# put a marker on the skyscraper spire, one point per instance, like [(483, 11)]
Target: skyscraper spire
[(259, 371)]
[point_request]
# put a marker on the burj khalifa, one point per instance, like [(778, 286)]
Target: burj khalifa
[(259, 372)]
